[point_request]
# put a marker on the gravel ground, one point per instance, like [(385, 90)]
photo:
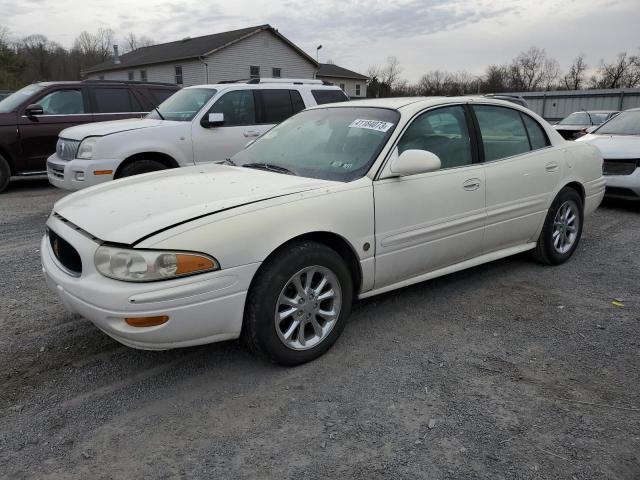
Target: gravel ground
[(510, 370)]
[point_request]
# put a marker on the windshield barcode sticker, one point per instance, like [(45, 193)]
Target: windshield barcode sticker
[(371, 125)]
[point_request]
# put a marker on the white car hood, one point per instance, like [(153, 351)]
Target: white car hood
[(80, 132), (124, 211), (615, 146)]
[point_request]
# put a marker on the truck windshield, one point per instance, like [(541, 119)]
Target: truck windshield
[(12, 102), (333, 143), (183, 105)]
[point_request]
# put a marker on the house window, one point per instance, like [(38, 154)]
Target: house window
[(178, 70), (342, 87), (276, 73), (254, 72), (357, 89), (132, 76), (101, 77), (143, 75)]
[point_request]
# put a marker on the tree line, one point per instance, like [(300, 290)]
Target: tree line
[(531, 70), (36, 58)]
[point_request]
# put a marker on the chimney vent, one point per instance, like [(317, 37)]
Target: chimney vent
[(116, 57)]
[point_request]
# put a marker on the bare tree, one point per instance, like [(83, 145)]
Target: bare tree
[(496, 79), (574, 79), (95, 46), (390, 73), (133, 42), (532, 70), (622, 73)]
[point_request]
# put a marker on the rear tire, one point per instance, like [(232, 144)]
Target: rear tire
[(139, 167), (5, 173), (298, 304), (562, 228)]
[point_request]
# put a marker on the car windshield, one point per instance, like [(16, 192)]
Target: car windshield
[(598, 118), (577, 118), (10, 103), (331, 143), (183, 105), (626, 123)]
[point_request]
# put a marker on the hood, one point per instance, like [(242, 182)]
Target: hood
[(8, 119), (615, 146), (126, 210), (100, 129)]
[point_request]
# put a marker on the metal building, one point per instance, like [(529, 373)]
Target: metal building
[(555, 105)]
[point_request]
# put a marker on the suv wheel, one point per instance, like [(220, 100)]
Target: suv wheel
[(5, 173), (139, 167), (298, 304), (562, 228)]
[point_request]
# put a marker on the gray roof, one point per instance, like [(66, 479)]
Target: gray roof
[(331, 70), (188, 48)]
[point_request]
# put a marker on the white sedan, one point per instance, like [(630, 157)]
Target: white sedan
[(339, 202)]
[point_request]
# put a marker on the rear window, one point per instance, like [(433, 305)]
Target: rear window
[(329, 96), (115, 100)]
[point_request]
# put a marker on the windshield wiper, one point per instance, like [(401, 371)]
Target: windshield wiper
[(269, 167), (227, 161), (158, 112)]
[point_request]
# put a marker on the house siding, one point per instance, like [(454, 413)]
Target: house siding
[(231, 63), (349, 85)]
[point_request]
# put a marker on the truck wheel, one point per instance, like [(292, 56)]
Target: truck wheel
[(140, 166), (5, 173)]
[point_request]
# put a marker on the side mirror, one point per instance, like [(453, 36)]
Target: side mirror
[(34, 110), (412, 162), (212, 120)]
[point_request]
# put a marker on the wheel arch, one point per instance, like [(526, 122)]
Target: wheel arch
[(4, 153), (578, 187), (167, 160), (332, 240)]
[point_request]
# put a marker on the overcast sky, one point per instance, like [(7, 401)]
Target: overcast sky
[(423, 34)]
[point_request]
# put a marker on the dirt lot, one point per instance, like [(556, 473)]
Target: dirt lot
[(510, 370)]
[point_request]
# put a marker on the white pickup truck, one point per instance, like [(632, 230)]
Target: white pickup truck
[(205, 123)]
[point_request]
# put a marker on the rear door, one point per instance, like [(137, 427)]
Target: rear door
[(63, 107), (522, 170)]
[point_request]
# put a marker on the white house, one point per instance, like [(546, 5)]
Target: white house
[(239, 54), (352, 83)]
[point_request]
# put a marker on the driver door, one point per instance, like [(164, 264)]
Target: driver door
[(431, 220), (213, 144)]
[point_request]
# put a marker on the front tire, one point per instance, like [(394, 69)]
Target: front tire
[(5, 174), (298, 304), (139, 167), (562, 228)]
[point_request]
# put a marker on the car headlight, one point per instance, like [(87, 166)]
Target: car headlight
[(132, 265), (85, 150)]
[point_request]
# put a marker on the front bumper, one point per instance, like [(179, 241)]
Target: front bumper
[(624, 186), (77, 174), (201, 309)]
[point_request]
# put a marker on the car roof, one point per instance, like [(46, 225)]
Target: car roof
[(409, 105), (253, 86), (595, 111)]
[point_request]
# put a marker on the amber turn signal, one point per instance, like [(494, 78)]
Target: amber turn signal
[(193, 263), (147, 321), (102, 172)]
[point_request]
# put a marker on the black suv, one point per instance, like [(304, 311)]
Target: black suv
[(32, 118)]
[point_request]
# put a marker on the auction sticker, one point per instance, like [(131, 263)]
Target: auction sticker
[(371, 125)]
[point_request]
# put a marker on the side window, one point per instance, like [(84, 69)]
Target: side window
[(63, 102), (275, 105), (238, 108), (329, 96), (296, 101), (442, 131), (115, 100), (160, 94), (502, 131), (537, 137)]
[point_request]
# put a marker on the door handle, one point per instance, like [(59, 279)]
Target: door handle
[(471, 184), (251, 133), (551, 167)]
